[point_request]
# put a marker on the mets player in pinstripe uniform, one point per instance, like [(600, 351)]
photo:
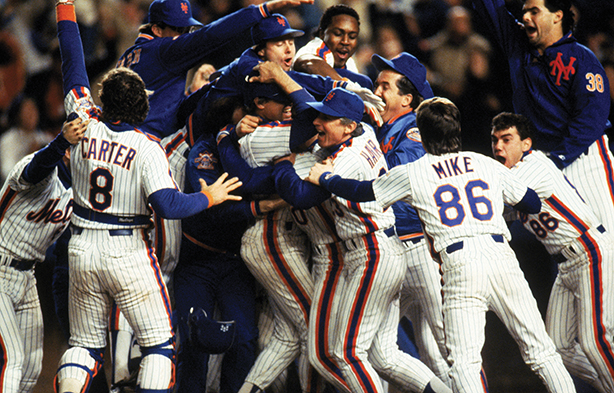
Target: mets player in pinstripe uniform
[(365, 296), (562, 88), (35, 208), (459, 198), (579, 317), (274, 249), (117, 172), (402, 84)]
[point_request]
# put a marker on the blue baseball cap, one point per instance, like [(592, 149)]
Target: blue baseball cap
[(408, 65), (341, 103), (267, 90), (275, 26), (176, 13)]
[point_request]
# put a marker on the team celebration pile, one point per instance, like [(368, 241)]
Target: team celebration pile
[(312, 218)]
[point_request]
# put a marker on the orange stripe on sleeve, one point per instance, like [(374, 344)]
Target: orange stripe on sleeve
[(65, 12)]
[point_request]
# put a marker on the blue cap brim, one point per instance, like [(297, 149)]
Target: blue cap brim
[(320, 107)]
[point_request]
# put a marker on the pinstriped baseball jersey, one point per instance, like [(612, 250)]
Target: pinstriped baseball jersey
[(32, 216), (564, 215), (117, 160), (317, 47), (317, 222), (362, 162), (268, 142), (452, 191)]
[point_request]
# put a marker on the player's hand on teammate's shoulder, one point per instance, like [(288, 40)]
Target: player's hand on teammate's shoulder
[(221, 189), (279, 5), (318, 170), (269, 205), (73, 130), (247, 125)]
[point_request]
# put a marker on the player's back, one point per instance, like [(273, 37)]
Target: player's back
[(115, 168), (458, 195)]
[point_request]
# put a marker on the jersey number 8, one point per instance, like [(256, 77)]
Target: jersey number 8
[(101, 182)]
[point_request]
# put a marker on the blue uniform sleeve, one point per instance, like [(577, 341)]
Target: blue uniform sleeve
[(171, 203), (297, 192), (186, 51), (505, 28), (255, 180), (350, 189), (317, 85), (45, 160), (403, 154), (362, 80), (71, 49), (530, 203)]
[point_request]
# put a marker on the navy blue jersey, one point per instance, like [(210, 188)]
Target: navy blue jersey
[(220, 227), (163, 63), (564, 92), (400, 142)]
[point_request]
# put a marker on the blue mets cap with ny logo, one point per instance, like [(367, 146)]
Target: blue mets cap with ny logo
[(177, 13), (408, 65), (341, 103), (275, 26)]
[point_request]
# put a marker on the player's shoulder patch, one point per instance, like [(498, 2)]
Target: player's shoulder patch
[(414, 134), (205, 160)]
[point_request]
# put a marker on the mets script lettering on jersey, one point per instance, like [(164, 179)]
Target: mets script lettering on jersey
[(105, 151), (452, 168), (371, 153), (130, 59), (562, 69), (49, 213)]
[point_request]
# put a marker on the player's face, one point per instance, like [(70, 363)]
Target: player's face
[(341, 37), (507, 147), (386, 88), (274, 111), (331, 131), (543, 28), (280, 52)]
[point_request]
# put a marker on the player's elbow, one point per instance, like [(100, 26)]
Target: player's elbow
[(530, 203)]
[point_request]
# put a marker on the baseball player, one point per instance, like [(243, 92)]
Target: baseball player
[(402, 85), (459, 198), (330, 52), (371, 269), (563, 90), (274, 249), (35, 208), (117, 172), (580, 305)]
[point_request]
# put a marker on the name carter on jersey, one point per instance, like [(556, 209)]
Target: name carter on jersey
[(105, 151)]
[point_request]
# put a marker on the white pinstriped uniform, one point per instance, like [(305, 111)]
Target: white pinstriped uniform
[(372, 268), (32, 217), (114, 173), (276, 252), (582, 300), (592, 174), (459, 198), (317, 47)]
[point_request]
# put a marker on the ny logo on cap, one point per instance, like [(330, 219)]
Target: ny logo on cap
[(184, 7), (330, 96), (281, 21)]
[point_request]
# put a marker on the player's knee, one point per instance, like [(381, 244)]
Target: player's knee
[(79, 364), (157, 373)]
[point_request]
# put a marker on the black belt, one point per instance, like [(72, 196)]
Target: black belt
[(560, 258), (112, 232), (105, 218), (459, 245), (21, 265)]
